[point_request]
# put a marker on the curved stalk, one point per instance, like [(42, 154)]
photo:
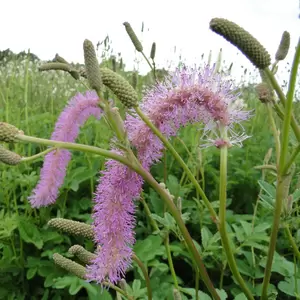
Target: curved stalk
[(145, 273), (291, 240), (180, 161), (222, 220), (281, 178), (34, 157)]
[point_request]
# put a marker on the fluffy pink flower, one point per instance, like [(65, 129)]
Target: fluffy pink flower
[(189, 96), (53, 172)]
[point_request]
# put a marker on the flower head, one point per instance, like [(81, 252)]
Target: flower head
[(189, 96), (53, 172), (114, 222)]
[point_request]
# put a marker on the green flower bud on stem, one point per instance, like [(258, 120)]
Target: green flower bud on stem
[(135, 41), (153, 51), (72, 227), (70, 265), (60, 66), (83, 255), (120, 87), (9, 157), (134, 79), (243, 40), (92, 66), (59, 59), (284, 46), (8, 132), (176, 295)]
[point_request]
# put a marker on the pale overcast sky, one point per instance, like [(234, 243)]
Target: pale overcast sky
[(48, 27)]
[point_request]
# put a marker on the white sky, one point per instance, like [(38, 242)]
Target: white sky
[(48, 27)]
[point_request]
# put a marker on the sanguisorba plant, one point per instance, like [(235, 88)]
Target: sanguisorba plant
[(186, 96)]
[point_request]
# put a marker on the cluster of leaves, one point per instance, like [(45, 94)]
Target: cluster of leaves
[(27, 244)]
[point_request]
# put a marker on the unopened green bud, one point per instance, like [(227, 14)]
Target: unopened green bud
[(134, 80), (60, 59), (243, 40), (8, 132), (70, 266), (9, 157), (114, 64), (92, 66), (60, 66), (284, 46), (153, 50), (72, 227), (83, 255), (120, 87), (57, 66), (123, 285), (135, 41)]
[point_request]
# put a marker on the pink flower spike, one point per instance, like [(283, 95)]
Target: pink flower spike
[(53, 172)]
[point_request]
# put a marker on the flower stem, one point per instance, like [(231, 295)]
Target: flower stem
[(291, 240), (74, 146), (179, 160), (281, 178), (145, 273), (177, 216), (222, 220), (170, 261), (34, 157)]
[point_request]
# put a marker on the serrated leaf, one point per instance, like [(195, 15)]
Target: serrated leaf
[(268, 188), (289, 287), (75, 286), (247, 227), (148, 248), (240, 296), (205, 236), (30, 233), (239, 233)]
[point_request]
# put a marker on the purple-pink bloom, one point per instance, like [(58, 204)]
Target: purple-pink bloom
[(114, 221), (53, 172), (188, 96)]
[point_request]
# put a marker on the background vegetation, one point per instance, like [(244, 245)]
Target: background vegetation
[(32, 101)]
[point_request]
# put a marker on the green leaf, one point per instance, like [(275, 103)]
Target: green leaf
[(240, 296), (247, 227), (148, 248), (75, 286), (268, 188), (205, 236), (31, 273), (289, 286), (29, 232)]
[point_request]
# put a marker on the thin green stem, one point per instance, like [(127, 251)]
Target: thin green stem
[(292, 241), (170, 261), (222, 219), (74, 146), (148, 214), (38, 155), (146, 276), (291, 159), (147, 60), (177, 216), (275, 134), (179, 160), (281, 178)]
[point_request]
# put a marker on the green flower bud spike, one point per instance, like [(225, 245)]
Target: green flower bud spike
[(135, 41), (69, 265), (60, 59), (243, 40), (8, 132), (9, 157), (72, 227), (82, 254), (120, 87), (92, 66), (153, 51), (60, 66), (284, 46), (265, 94)]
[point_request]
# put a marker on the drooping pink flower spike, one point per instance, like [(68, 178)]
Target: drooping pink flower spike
[(188, 96), (53, 172)]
